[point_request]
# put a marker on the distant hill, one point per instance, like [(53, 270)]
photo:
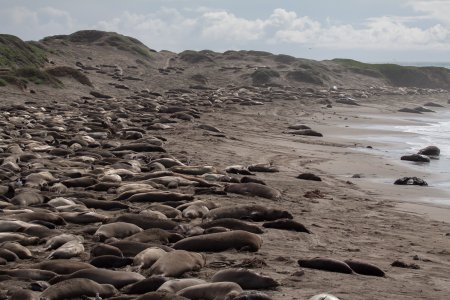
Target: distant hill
[(93, 57)]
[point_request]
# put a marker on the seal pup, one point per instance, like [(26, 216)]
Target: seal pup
[(253, 212), (110, 261)]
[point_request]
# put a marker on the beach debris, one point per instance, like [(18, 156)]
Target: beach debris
[(416, 158), (309, 176), (411, 181), (430, 151), (401, 264)]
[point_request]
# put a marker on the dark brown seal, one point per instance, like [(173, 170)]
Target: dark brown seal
[(364, 268), (247, 279), (326, 264), (217, 242)]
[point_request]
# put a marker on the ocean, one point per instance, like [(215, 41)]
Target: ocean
[(428, 129)]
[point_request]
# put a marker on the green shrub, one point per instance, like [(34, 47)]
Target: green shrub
[(263, 75), (65, 71)]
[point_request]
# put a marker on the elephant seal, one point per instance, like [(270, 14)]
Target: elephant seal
[(131, 249), (21, 294), (110, 261), (145, 222), (266, 168), (59, 240), (155, 235), (41, 216), (175, 285), (159, 196), (324, 297), (102, 204), (250, 295), (287, 224), (326, 264), (105, 249), (160, 295), (211, 291), (365, 268), (245, 278), (217, 242), (27, 197), (8, 255), (68, 250), (84, 182), (22, 239), (19, 250), (61, 266), (77, 287), (430, 151), (253, 189), (84, 217), (253, 212), (146, 285), (31, 274), (146, 258), (232, 224), (177, 262), (118, 279), (117, 230)]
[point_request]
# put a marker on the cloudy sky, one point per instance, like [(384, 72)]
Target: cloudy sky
[(368, 30)]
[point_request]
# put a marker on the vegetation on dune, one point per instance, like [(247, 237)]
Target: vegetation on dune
[(194, 57), (103, 38), (263, 76), (65, 71), (284, 59), (16, 53), (23, 75), (199, 78), (426, 77), (305, 76)]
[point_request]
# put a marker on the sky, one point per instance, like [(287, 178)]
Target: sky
[(366, 30)]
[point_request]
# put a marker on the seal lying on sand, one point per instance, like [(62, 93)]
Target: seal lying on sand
[(217, 242), (78, 287), (177, 262)]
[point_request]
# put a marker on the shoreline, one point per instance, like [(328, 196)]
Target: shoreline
[(371, 129)]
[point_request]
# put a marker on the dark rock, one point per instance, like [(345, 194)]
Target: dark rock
[(423, 109), (411, 181), (409, 110), (432, 104), (416, 158), (430, 151), (309, 176)]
